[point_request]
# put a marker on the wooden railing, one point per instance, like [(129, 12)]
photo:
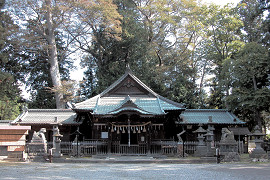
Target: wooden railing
[(133, 149), (190, 146), (166, 147), (97, 147)]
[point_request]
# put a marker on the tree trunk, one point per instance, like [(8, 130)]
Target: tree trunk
[(258, 118), (54, 66), (201, 85), (257, 115)]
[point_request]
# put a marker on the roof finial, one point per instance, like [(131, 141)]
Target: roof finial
[(128, 70)]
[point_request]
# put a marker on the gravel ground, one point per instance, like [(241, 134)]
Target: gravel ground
[(134, 171)]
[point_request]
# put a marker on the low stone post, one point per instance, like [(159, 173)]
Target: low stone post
[(180, 149)]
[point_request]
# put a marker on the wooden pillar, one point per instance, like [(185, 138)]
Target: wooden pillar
[(109, 145), (149, 139)]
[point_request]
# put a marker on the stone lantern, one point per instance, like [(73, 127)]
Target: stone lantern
[(258, 152), (201, 147), (200, 136), (56, 140), (211, 127), (209, 138)]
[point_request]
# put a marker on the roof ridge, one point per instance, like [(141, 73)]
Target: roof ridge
[(126, 100), (171, 102), (48, 110), (162, 110), (97, 102), (221, 110), (128, 73)]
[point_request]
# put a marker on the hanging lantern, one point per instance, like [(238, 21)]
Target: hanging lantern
[(144, 129), (112, 130), (118, 132), (134, 130), (139, 131), (123, 130)]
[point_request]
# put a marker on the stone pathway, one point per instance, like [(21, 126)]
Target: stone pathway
[(68, 171)]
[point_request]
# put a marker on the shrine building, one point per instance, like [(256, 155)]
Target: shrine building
[(129, 113)]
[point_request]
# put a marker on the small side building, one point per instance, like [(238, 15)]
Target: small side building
[(12, 141), (215, 119), (66, 119)]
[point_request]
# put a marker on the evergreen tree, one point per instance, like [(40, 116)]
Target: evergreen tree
[(10, 70), (250, 94)]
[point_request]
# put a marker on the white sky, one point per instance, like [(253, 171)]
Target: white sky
[(221, 2)]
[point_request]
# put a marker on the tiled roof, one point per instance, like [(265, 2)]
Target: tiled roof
[(201, 116), (107, 103), (5, 122), (46, 116), (10, 127), (240, 130)]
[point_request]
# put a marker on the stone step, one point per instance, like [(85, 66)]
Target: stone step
[(15, 155), (14, 159)]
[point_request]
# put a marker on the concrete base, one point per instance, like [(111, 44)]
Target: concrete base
[(200, 151), (230, 157), (258, 153)]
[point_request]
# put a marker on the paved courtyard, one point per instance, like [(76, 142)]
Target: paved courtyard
[(134, 171)]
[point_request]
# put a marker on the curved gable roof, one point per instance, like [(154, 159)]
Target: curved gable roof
[(129, 86)]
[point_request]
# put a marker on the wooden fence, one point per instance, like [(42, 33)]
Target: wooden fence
[(100, 147), (125, 149)]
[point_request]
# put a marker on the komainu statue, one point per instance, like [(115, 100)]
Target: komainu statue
[(227, 135), (39, 137)]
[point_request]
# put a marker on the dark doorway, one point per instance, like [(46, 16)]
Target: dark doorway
[(133, 138)]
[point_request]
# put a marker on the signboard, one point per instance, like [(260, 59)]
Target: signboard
[(104, 135)]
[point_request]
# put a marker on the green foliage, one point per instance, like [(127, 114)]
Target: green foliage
[(9, 93), (252, 12), (172, 46), (223, 40), (145, 46), (250, 93), (10, 69), (39, 78)]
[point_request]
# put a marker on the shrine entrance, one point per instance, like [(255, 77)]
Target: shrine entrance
[(129, 138), (125, 138)]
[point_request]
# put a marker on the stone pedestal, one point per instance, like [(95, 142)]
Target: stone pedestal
[(228, 146), (38, 145), (36, 149), (200, 151)]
